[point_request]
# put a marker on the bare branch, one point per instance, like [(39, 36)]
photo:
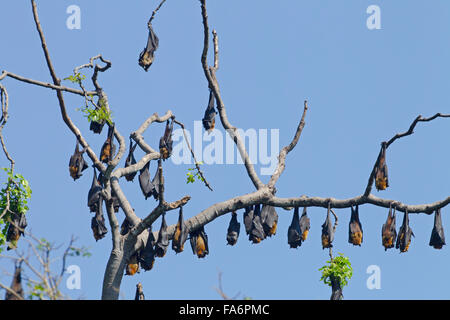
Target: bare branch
[(197, 166), (155, 11), (283, 153)]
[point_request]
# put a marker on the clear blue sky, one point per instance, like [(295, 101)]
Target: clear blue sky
[(363, 86)]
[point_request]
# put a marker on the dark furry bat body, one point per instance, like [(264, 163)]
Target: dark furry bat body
[(257, 233), (147, 256), (98, 222), (165, 143), (109, 148), (299, 228), (16, 284), (381, 170), (147, 55), (355, 231), (77, 164), (132, 265), (115, 201), (146, 185), (163, 239), (248, 218), (388, 231), (155, 183), (437, 239), (209, 120), (404, 235), (233, 230), (95, 192), (129, 161), (269, 219), (327, 232), (199, 242), (16, 229), (181, 233)]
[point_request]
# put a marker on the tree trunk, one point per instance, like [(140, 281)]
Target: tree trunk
[(336, 293), (113, 275)]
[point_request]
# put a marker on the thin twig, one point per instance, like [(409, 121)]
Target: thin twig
[(154, 12)]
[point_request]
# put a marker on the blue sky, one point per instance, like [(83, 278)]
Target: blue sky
[(363, 86)]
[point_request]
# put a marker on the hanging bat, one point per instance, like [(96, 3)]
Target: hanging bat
[(404, 235), (269, 218), (16, 228), (388, 231), (257, 230), (209, 120), (199, 242), (77, 163), (381, 171), (115, 201), (163, 239), (304, 225), (146, 185), (165, 143), (129, 161), (180, 235), (98, 222), (147, 256), (233, 230), (155, 183), (97, 126), (95, 192), (147, 55), (125, 227), (327, 232), (16, 284), (109, 148), (437, 239), (139, 292), (355, 231), (294, 233), (133, 264), (248, 218)]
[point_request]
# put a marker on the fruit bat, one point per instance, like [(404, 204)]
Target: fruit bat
[(180, 235), (16, 284), (269, 219), (133, 264), (125, 227), (16, 228), (98, 222), (147, 256), (327, 232), (304, 224), (294, 233), (147, 55), (257, 230), (199, 242), (163, 239), (404, 235), (130, 160), (209, 120), (248, 218), (95, 192), (115, 201), (165, 143), (437, 239), (77, 163), (233, 230), (108, 148), (355, 231), (155, 183), (139, 293), (381, 171), (146, 185), (388, 231)]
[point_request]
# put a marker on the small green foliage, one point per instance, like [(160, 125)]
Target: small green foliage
[(19, 192), (36, 291), (191, 175), (83, 252), (77, 78), (100, 114), (339, 268)]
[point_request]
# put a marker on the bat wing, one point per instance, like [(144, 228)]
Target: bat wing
[(180, 234), (98, 223), (437, 239), (155, 183), (233, 230), (94, 193), (269, 218), (305, 224), (144, 181), (147, 256), (294, 232), (163, 239), (210, 114)]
